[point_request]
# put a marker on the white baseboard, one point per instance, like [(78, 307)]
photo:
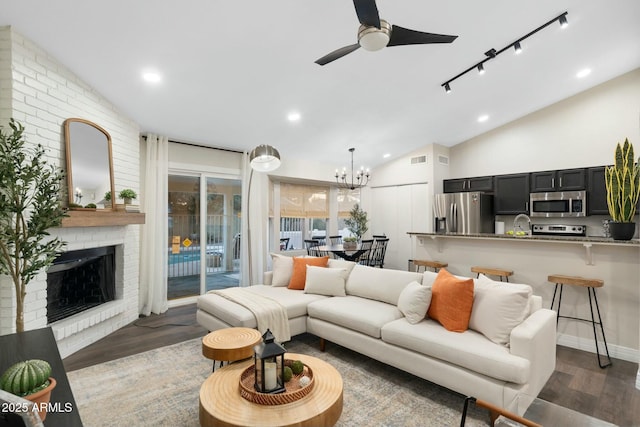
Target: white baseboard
[(615, 351)]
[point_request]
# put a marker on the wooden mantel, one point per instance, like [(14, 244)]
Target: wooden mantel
[(101, 218)]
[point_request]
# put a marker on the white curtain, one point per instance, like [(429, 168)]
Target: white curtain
[(255, 223), (155, 234)]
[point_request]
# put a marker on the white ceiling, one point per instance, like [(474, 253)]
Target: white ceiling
[(233, 70)]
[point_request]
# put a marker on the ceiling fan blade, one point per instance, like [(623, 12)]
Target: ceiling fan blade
[(404, 36), (337, 54), (367, 12)]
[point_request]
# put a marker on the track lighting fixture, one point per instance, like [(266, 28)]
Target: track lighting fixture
[(492, 53), (517, 48), (563, 20)]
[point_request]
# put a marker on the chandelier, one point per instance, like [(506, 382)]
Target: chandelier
[(358, 179)]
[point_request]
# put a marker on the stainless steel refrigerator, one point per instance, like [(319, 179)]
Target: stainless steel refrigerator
[(463, 213)]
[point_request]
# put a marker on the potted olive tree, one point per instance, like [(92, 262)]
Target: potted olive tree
[(623, 189), (30, 204), (357, 223)]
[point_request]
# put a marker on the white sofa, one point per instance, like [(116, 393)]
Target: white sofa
[(367, 319)]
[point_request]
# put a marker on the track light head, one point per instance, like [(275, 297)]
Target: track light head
[(517, 47), (480, 69), (447, 88), (491, 53), (563, 21)]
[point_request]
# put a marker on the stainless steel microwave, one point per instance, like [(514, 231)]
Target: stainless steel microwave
[(560, 204)]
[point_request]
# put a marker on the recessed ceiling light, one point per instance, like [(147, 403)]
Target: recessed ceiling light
[(294, 116), (386, 155), (151, 77), (483, 118), (583, 73)]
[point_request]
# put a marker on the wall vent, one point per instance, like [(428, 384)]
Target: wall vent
[(443, 160), (418, 159)]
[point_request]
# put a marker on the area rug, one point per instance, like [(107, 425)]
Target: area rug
[(160, 388)]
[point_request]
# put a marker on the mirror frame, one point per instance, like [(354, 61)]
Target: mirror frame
[(67, 138)]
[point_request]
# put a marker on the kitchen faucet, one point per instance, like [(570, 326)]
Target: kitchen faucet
[(517, 218)]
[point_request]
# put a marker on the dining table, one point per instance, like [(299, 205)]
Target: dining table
[(340, 251)]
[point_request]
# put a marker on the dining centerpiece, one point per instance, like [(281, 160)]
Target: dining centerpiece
[(350, 243), (623, 189)]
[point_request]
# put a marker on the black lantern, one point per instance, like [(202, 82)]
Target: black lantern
[(268, 358)]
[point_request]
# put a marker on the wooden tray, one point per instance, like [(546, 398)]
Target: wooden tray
[(293, 390)]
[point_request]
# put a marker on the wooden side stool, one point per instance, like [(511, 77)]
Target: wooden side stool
[(591, 285), (492, 272), (436, 265)]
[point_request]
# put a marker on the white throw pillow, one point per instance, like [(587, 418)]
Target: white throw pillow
[(341, 263), (498, 307), (282, 267), (414, 302), (325, 281)]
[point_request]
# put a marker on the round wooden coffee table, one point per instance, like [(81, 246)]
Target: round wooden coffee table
[(230, 344), (222, 405)]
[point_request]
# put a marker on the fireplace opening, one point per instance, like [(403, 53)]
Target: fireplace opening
[(79, 280)]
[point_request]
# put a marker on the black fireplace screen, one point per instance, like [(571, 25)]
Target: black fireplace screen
[(80, 280)]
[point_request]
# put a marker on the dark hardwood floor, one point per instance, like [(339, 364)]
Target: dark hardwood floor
[(577, 383)]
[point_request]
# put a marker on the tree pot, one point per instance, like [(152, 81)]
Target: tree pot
[(42, 398), (622, 230)]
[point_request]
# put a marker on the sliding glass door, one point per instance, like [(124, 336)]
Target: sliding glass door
[(204, 224)]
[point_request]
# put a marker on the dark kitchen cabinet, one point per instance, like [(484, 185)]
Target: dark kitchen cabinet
[(561, 180), (461, 185), (511, 194), (597, 192)]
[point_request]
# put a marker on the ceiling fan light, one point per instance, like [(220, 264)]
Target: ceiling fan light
[(372, 38), (264, 158)]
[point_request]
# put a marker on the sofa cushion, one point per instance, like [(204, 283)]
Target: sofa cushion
[(498, 307), (325, 281), (451, 301), (295, 302), (299, 274), (378, 283), (414, 302), (470, 350), (359, 314), (282, 267), (341, 263)]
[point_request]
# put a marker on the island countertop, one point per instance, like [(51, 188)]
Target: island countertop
[(542, 238)]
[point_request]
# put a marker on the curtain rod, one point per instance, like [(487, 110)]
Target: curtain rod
[(201, 146)]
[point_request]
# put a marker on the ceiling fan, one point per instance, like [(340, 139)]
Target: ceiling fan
[(375, 33)]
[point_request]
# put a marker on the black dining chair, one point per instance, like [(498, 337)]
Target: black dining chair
[(378, 252), (365, 245), (310, 245), (284, 243), (335, 240)]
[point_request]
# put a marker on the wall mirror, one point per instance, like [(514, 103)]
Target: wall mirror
[(89, 163)]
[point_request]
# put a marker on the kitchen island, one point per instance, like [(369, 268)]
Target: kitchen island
[(534, 258)]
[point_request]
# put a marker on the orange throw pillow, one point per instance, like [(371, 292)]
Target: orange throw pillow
[(451, 301), (299, 274)]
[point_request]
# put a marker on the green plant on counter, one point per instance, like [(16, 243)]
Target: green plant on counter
[(623, 184)]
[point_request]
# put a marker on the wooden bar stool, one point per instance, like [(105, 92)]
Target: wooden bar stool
[(492, 272), (436, 265), (591, 285)]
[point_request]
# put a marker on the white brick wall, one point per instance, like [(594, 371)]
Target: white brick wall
[(40, 92)]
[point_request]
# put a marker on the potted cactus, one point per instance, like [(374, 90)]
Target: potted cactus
[(32, 380), (623, 189)]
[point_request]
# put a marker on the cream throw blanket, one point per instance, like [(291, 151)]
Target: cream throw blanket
[(269, 313)]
